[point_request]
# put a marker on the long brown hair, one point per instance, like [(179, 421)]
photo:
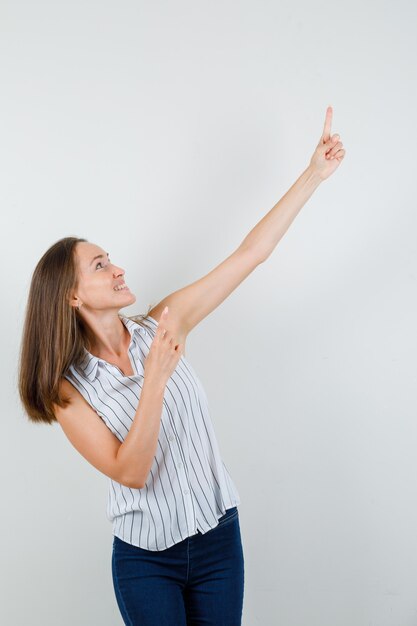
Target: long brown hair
[(54, 334)]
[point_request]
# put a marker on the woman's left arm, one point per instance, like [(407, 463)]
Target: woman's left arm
[(192, 303), (326, 159)]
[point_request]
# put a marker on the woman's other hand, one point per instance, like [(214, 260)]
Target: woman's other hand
[(329, 152), (164, 352)]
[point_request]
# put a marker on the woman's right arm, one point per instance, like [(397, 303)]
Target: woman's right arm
[(129, 462), (136, 454)]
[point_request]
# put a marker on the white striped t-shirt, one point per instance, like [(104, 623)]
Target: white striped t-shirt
[(188, 486)]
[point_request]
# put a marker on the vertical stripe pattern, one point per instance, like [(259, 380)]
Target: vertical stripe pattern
[(189, 486)]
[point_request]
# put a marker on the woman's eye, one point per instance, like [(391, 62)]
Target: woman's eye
[(100, 263)]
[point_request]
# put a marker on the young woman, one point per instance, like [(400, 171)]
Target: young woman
[(132, 405)]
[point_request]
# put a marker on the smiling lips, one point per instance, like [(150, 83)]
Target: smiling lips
[(121, 287)]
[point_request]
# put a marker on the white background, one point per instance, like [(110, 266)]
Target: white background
[(163, 132)]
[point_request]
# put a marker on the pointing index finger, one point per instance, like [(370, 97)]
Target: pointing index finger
[(327, 124)]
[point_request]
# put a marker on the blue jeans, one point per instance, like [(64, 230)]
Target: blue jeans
[(197, 581)]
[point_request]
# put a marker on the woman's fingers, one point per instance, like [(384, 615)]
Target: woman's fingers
[(163, 354), (327, 125), (339, 154), (334, 150), (161, 330), (323, 148)]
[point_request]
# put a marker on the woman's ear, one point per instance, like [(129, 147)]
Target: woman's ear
[(74, 301)]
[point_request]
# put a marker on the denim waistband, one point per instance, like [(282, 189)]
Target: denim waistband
[(229, 513)]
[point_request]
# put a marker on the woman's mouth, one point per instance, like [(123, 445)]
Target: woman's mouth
[(122, 287)]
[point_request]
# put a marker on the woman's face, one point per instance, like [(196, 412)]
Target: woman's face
[(97, 279)]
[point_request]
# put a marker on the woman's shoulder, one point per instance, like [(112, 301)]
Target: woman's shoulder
[(66, 389)]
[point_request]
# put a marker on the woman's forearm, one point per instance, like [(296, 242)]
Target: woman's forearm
[(136, 454), (263, 238)]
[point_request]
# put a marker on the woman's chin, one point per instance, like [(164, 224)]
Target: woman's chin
[(128, 298)]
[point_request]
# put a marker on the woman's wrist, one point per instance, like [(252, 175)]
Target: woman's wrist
[(312, 175), (155, 384)]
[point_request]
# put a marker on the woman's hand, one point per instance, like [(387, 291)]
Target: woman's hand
[(164, 353), (329, 152)]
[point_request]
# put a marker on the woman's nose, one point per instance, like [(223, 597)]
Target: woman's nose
[(118, 270)]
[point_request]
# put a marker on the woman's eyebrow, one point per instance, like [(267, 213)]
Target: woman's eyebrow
[(99, 256)]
